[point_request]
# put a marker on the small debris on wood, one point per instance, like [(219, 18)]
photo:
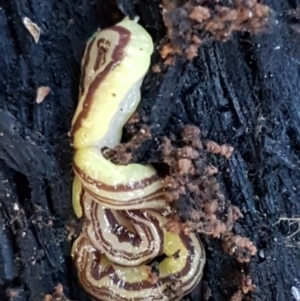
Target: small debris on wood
[(122, 154), (223, 150), (244, 286), (237, 296), (239, 247), (33, 29), (58, 295), (207, 291), (174, 289), (294, 226), (41, 93), (296, 293), (156, 68), (190, 23), (12, 294), (174, 225), (167, 52), (71, 232), (132, 126), (152, 276), (192, 184)]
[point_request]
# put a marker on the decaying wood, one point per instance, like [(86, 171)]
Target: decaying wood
[(243, 93)]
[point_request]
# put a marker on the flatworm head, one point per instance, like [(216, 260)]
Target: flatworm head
[(114, 61)]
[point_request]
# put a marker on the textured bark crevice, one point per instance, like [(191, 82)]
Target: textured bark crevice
[(244, 92)]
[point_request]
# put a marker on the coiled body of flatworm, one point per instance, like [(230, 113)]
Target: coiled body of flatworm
[(124, 207)]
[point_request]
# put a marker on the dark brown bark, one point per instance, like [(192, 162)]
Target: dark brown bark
[(244, 92)]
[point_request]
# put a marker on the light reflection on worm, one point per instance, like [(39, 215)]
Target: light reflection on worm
[(123, 206)]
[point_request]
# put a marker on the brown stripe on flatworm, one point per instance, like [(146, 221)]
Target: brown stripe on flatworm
[(119, 187), (141, 215), (81, 198), (117, 55), (85, 64), (124, 236), (102, 50), (109, 202)]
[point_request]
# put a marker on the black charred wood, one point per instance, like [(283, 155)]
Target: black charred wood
[(244, 92)]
